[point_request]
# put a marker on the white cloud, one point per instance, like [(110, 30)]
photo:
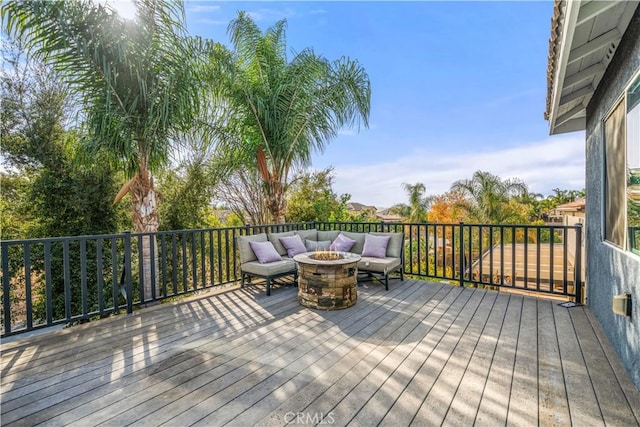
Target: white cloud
[(347, 132), (271, 14), (544, 165), (203, 8), (266, 14)]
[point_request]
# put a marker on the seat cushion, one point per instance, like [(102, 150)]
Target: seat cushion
[(244, 249), (270, 269), (378, 265), (313, 246), (359, 241), (307, 234), (327, 235)]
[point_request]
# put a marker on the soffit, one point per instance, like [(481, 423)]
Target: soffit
[(584, 39)]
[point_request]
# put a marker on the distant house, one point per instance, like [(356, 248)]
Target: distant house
[(575, 208), (360, 209), (387, 215), (567, 213), (594, 85)]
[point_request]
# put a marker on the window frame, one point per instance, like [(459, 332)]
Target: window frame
[(621, 99)]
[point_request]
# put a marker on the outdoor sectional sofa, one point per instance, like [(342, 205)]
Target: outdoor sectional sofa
[(284, 265)]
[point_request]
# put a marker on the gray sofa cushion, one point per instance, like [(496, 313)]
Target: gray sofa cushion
[(275, 239), (273, 268), (396, 244), (244, 249), (313, 246), (307, 234), (359, 238), (379, 265), (327, 235)]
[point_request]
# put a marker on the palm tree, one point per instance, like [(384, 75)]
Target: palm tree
[(488, 196), (416, 210), (285, 109), (135, 80)]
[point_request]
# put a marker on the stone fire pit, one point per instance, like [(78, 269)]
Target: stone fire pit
[(327, 281)]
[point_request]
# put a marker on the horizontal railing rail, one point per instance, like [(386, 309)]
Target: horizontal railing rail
[(62, 280)]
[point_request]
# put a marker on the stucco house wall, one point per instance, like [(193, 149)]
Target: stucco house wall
[(611, 271)]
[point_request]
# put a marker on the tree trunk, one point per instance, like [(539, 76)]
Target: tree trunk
[(146, 220), (276, 203)]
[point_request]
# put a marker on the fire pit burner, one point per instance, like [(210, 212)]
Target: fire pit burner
[(326, 256)]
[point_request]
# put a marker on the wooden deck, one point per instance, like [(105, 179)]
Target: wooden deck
[(420, 354)]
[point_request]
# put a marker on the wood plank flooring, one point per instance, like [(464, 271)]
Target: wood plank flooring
[(420, 354)]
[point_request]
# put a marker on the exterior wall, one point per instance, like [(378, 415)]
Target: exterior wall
[(611, 271)]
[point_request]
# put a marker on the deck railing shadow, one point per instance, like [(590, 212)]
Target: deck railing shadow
[(66, 280)]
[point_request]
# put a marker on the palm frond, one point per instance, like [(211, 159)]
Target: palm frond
[(134, 77)]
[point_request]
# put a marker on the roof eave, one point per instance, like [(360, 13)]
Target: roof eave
[(566, 40), (573, 22)]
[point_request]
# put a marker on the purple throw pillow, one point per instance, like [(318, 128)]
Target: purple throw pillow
[(375, 246), (342, 244), (293, 245), (265, 252)]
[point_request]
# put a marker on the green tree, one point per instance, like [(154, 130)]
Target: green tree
[(15, 217), (45, 191), (135, 80), (488, 198), (418, 207), (186, 189), (311, 198), (238, 184), (287, 109), (186, 198), (532, 203), (50, 190)]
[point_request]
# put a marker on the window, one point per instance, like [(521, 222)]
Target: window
[(633, 165), (622, 171)]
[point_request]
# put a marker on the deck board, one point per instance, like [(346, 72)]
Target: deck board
[(406, 313), (524, 387), (420, 354), (581, 399), (553, 408), (437, 403), (466, 401)]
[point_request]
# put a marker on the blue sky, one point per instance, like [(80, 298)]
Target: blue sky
[(456, 87)]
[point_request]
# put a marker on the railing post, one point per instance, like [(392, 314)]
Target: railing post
[(127, 271), (461, 255), (577, 273), (6, 289)]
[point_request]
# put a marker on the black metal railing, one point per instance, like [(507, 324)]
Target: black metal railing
[(53, 281), (634, 239)]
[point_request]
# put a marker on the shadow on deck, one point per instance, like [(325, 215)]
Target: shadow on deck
[(422, 353)]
